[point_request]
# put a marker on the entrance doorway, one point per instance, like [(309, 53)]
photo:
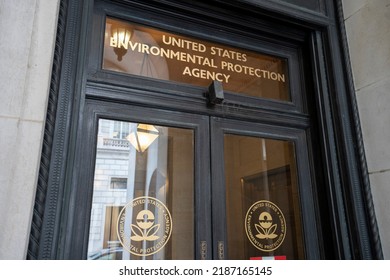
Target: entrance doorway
[(274, 166), (172, 185)]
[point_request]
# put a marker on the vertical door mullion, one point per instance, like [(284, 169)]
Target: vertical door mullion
[(203, 218), (218, 192)]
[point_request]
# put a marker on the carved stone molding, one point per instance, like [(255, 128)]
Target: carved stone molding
[(51, 115), (366, 191)]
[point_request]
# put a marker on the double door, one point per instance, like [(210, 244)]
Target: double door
[(161, 184)]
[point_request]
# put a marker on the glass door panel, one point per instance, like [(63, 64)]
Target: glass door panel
[(152, 197), (143, 192), (263, 216), (262, 192)]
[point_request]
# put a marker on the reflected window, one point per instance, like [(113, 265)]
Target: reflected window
[(118, 183)]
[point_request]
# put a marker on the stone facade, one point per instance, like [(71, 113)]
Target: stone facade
[(28, 30), (367, 24)]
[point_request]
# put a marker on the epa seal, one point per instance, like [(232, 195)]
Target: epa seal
[(265, 226), (144, 226)]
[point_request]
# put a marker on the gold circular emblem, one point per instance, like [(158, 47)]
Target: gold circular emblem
[(144, 226), (265, 225)]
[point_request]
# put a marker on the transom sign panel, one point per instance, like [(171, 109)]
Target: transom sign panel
[(139, 50)]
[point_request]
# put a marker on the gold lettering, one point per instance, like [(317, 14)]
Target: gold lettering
[(228, 54), (175, 55), (165, 41), (247, 70), (155, 50), (122, 44), (183, 43), (164, 52), (205, 74), (113, 42), (145, 48), (187, 71), (133, 46), (213, 50), (208, 61)]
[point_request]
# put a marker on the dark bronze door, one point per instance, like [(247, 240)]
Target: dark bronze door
[(169, 185)]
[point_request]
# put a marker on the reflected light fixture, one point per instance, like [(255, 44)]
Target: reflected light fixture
[(120, 37), (143, 137)]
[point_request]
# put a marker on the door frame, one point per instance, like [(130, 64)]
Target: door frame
[(349, 205)]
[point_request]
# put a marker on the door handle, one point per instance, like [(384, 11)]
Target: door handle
[(203, 250), (221, 250)]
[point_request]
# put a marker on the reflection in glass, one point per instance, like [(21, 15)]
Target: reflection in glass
[(149, 52), (163, 171), (263, 214)]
